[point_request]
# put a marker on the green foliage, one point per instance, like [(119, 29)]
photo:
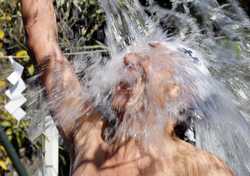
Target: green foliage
[(15, 132), (79, 23), (12, 42)]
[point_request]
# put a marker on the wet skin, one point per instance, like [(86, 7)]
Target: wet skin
[(167, 155), (82, 131)]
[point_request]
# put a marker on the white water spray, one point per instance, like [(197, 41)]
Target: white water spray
[(216, 98), (216, 81)]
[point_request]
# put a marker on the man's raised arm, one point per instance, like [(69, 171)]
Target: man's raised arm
[(61, 83)]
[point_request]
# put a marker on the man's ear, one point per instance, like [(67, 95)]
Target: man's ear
[(169, 128)]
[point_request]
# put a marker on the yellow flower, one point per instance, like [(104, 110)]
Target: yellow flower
[(3, 165), (31, 70), (5, 18), (1, 54), (2, 84), (1, 34), (23, 55)]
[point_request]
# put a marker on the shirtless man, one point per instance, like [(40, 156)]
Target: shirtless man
[(91, 154)]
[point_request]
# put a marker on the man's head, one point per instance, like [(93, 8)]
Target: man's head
[(146, 89), (148, 77)]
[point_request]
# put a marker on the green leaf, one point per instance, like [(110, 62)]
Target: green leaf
[(31, 70), (2, 34), (5, 124), (9, 132)]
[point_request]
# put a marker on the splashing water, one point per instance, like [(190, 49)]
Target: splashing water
[(211, 63), (216, 75)]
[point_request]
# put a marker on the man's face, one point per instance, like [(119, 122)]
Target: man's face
[(148, 77)]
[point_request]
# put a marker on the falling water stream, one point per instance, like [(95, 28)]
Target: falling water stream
[(216, 38), (212, 41)]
